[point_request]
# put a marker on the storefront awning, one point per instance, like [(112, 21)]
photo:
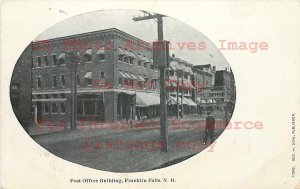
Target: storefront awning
[(100, 51), (144, 99), (173, 65), (127, 75), (88, 52), (133, 76), (190, 102), (62, 56), (88, 75), (122, 75), (186, 101), (140, 78)]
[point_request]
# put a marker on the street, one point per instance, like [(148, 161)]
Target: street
[(129, 150)]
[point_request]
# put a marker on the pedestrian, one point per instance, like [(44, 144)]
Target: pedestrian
[(209, 128)]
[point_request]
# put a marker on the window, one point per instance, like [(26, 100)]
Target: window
[(101, 57), (139, 63), (185, 75), (63, 80), (87, 58), (102, 77), (62, 108), (46, 60), (121, 58), (46, 108), (131, 83), (54, 108), (62, 61), (47, 96), (54, 81), (62, 95), (54, 95), (140, 84), (89, 81), (126, 59), (39, 82), (130, 60), (39, 62), (121, 81), (78, 80), (171, 72), (54, 60)]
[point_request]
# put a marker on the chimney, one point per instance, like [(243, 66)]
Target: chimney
[(226, 69), (214, 68), (173, 55)]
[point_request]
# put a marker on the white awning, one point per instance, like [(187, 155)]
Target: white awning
[(190, 102), (146, 59), (140, 57), (122, 75), (100, 51), (173, 65), (131, 54), (140, 78), (144, 99), (121, 51), (127, 75), (62, 56), (88, 75), (88, 52), (133, 76)]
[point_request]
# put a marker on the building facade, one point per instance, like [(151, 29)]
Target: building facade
[(114, 72)]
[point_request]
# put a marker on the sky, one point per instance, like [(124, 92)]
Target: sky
[(178, 33)]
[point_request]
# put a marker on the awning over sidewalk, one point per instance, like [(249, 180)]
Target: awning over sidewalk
[(144, 99), (122, 75), (186, 101), (140, 78)]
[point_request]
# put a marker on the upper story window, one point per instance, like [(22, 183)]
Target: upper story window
[(46, 108), (39, 62), (101, 54), (54, 108), (139, 63), (78, 79), (61, 58), (88, 55), (102, 77), (63, 80), (39, 82), (46, 60), (54, 60), (54, 81)]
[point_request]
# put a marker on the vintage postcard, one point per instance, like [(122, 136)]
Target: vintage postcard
[(143, 94)]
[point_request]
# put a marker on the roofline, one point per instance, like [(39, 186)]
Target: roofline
[(93, 33)]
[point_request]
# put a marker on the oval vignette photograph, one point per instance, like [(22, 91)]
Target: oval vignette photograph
[(123, 91)]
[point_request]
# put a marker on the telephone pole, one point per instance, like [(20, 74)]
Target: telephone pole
[(163, 93)]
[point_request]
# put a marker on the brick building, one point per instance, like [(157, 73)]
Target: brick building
[(114, 75)]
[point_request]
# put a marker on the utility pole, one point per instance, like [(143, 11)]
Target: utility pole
[(163, 93)]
